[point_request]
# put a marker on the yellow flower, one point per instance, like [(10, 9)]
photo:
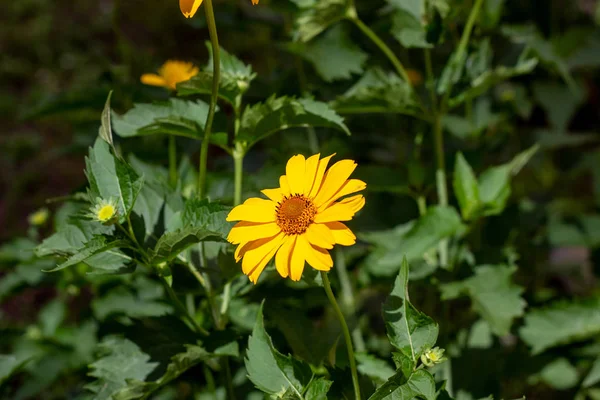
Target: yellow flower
[(39, 217), (170, 74), (189, 7), (301, 219), (105, 211)]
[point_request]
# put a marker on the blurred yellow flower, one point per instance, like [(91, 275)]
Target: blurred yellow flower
[(170, 74), (39, 217), (414, 76), (301, 219), (189, 7)]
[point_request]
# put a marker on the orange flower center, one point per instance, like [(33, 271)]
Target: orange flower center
[(295, 213)]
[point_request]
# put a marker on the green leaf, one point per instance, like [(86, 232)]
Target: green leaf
[(494, 183), (172, 243), (335, 56), (10, 365), (560, 324), (560, 374), (105, 131), (409, 330), (465, 187), (490, 78), (179, 364), (411, 240), (121, 360), (71, 237), (592, 378), (376, 369), (419, 385), (408, 26), (110, 177), (96, 245), (494, 296), (122, 301), (235, 79), (271, 371), (110, 262), (317, 389), (317, 15), (202, 213), (172, 117), (543, 49), (378, 92), (264, 119)]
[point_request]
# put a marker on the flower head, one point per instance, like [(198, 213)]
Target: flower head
[(170, 74), (300, 221), (189, 7), (433, 356), (39, 218), (105, 211)]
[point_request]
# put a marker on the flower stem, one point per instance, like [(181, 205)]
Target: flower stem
[(382, 46), (214, 39), (175, 300), (346, 331), (172, 162)]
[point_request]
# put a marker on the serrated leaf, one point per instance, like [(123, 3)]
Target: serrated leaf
[(408, 27), (376, 369), (317, 15), (105, 131), (121, 360), (492, 77), (71, 237), (409, 330), (179, 364), (96, 245), (172, 117), (264, 119), (271, 371), (378, 92), (494, 296), (335, 56), (122, 301), (411, 240), (317, 389), (235, 78), (172, 243), (466, 187), (561, 324), (419, 385), (110, 177)]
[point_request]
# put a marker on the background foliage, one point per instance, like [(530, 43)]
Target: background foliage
[(503, 272)]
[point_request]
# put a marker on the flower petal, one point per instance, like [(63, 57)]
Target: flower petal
[(189, 7), (320, 235), (284, 185), (319, 176), (254, 2), (341, 211), (253, 210), (154, 80), (258, 254), (341, 233), (316, 257), (334, 179), (283, 258), (351, 186), (275, 195), (297, 259), (294, 171), (245, 231), (312, 164)]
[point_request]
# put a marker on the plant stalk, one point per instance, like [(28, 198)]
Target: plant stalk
[(172, 162), (346, 332), (214, 39)]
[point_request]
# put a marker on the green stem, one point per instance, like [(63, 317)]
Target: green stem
[(238, 165), (172, 162), (346, 332), (182, 308), (430, 80), (382, 46), (440, 177), (348, 301), (214, 39)]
